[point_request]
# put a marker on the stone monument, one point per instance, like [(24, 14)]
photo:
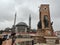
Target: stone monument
[(45, 28)]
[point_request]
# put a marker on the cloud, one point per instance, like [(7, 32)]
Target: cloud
[(6, 10), (23, 15), (24, 8)]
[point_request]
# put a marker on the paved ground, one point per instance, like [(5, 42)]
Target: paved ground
[(46, 44), (8, 42)]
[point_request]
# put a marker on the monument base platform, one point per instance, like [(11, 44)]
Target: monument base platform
[(50, 39)]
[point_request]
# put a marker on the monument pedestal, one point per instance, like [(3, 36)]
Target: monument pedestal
[(50, 39)]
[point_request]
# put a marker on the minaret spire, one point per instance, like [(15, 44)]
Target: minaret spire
[(14, 26), (30, 21), (15, 19)]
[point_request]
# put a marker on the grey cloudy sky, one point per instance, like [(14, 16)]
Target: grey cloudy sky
[(24, 8)]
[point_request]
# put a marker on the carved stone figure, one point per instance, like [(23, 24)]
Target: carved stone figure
[(46, 21), (39, 25)]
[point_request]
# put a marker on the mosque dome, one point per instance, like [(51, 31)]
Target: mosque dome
[(21, 24)]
